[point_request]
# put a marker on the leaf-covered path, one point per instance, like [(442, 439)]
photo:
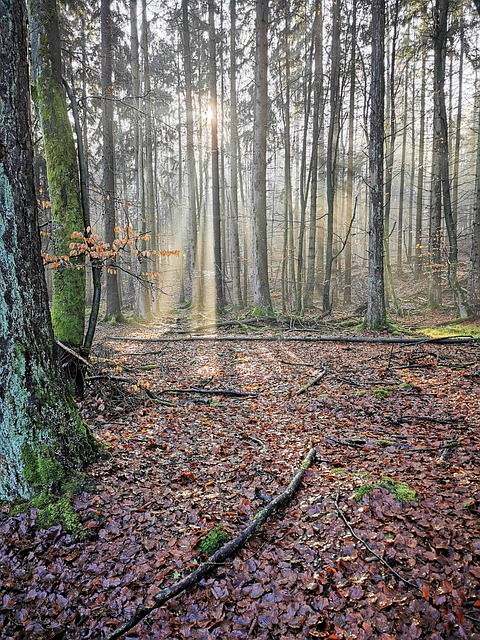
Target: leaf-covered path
[(182, 463)]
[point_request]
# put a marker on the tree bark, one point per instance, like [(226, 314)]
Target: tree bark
[(236, 271), (442, 193), (191, 242), (41, 434), (217, 226), (113, 309), (332, 144), (376, 315), (68, 300), (347, 295), (261, 289)]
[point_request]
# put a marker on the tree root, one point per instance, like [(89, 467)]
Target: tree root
[(228, 549)]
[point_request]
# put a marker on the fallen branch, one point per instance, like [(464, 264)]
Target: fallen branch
[(312, 382), (213, 392), (369, 548), (298, 364), (222, 554), (73, 353), (342, 339)]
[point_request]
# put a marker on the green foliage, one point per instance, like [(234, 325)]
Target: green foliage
[(400, 490), (213, 540)]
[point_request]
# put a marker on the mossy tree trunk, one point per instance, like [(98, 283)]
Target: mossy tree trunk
[(68, 301), (41, 434)]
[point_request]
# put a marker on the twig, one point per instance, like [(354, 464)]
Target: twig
[(222, 554), (367, 546), (298, 364), (312, 382), (73, 353)]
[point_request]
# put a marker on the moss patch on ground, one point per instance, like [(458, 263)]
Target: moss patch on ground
[(454, 330), (213, 540), (400, 490)]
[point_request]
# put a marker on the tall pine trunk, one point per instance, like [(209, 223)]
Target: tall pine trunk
[(376, 315), (113, 308), (261, 289)]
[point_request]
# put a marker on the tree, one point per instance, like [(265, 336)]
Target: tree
[(332, 144), (261, 289), (113, 310), (441, 177), (376, 315), (68, 300), (217, 232), (41, 434), (190, 149)]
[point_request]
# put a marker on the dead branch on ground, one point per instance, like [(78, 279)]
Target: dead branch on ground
[(225, 552), (311, 383)]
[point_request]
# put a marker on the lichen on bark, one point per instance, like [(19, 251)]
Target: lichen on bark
[(37, 414)]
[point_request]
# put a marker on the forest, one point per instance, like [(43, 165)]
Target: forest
[(239, 298)]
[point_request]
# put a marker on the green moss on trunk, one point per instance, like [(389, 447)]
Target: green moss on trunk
[(68, 301)]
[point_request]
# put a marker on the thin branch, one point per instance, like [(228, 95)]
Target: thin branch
[(369, 548), (225, 552)]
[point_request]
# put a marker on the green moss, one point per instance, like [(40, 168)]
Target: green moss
[(384, 443), (452, 330), (213, 540), (380, 393), (41, 470), (55, 508), (400, 490)]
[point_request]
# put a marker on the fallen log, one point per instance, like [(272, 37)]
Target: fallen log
[(226, 551), (341, 339), (212, 392)]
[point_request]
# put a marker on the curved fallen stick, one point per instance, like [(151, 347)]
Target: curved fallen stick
[(222, 554)]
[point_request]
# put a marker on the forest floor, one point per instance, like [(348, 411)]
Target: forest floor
[(182, 462)]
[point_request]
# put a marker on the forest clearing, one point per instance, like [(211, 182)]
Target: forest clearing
[(381, 539)]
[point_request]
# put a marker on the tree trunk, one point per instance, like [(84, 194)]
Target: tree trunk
[(421, 173), (318, 113), (149, 220), (113, 309), (68, 300), (236, 271), (332, 153), (261, 289), (217, 226), (441, 167), (376, 316), (191, 243), (347, 295), (41, 434)]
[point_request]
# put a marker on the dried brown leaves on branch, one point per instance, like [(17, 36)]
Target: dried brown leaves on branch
[(177, 472)]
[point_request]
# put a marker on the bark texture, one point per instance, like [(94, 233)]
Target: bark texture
[(68, 300), (41, 434), (376, 315)]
